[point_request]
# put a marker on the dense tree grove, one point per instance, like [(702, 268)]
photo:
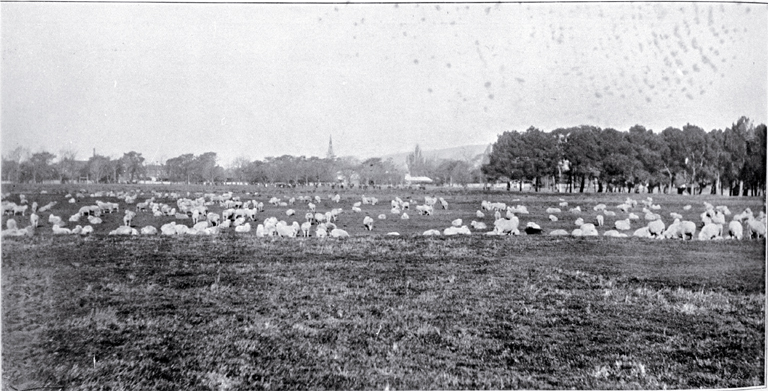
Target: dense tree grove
[(730, 161)]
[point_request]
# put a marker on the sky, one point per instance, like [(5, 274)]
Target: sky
[(258, 80)]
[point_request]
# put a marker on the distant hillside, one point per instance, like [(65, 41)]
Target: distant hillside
[(472, 153)]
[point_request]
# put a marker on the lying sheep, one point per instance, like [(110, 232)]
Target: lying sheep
[(478, 225), (382, 216), (339, 233), (506, 227), (622, 225), (559, 232), (148, 230), (553, 210), (552, 218), (431, 232)]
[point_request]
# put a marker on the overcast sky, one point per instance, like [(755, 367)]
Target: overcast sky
[(266, 80)]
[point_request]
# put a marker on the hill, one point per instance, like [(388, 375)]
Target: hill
[(473, 153)]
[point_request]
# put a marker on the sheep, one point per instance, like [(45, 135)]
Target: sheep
[(735, 230), (577, 232), (260, 231), (559, 232), (124, 230), (431, 232), (336, 198), (181, 229), (497, 215), (656, 228), (599, 220), (20, 209), (652, 216), (553, 210), (368, 223), (404, 216), (575, 210), (311, 207), (148, 230), (599, 207), (213, 218), (356, 209), (552, 218), (614, 234), (479, 214), (284, 230), (673, 231), (642, 233), (305, 227), (382, 216), (456, 223), (478, 225), (34, 220), (94, 220), (11, 224), (55, 220), (532, 228), (463, 230), (290, 212), (320, 217), (711, 231), (609, 213), (506, 227), (426, 210), (86, 230), (225, 224), (128, 218), (74, 218), (339, 233), (443, 203), (687, 207), (168, 229), (743, 215), (588, 229), (243, 228), (71, 201), (675, 215), (687, 229), (579, 222), (395, 211), (755, 228), (563, 204)]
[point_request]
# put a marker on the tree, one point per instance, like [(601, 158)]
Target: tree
[(755, 165), (98, 168), (581, 149), (179, 168), (133, 165), (540, 155), (40, 164), (648, 149), (505, 161), (205, 169), (417, 164), (68, 166)]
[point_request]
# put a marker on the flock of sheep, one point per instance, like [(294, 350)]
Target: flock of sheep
[(243, 215)]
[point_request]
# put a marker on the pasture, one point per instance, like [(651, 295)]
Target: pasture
[(233, 311)]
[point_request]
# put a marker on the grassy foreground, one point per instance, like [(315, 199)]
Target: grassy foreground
[(234, 312)]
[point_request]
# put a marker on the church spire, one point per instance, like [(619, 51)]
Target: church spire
[(330, 155)]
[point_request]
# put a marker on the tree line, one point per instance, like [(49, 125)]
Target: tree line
[(730, 161)]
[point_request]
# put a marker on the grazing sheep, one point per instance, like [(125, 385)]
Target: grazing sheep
[(431, 232), (598, 207), (687, 229), (506, 227), (563, 204), (225, 224), (609, 213), (168, 229), (356, 209), (656, 228), (743, 215), (71, 201), (735, 230), (11, 224), (559, 232), (553, 210), (599, 220), (128, 218), (395, 211), (652, 216), (755, 228), (368, 223), (47, 207), (124, 230), (336, 198), (426, 210), (339, 233), (443, 203), (711, 231), (213, 218)]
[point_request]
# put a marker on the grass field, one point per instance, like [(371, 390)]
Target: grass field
[(236, 312)]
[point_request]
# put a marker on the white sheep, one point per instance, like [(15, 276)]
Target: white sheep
[(243, 228), (479, 214), (478, 225), (305, 227), (633, 216), (656, 228), (404, 216), (675, 215), (735, 230), (755, 228), (431, 232), (34, 219), (260, 231), (559, 232), (339, 233), (368, 223), (74, 218), (579, 222), (128, 218), (553, 210), (711, 231), (642, 233), (86, 230), (599, 220), (456, 223), (588, 229), (506, 227), (148, 230), (575, 210), (614, 234), (552, 218), (311, 207), (598, 207), (382, 216)]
